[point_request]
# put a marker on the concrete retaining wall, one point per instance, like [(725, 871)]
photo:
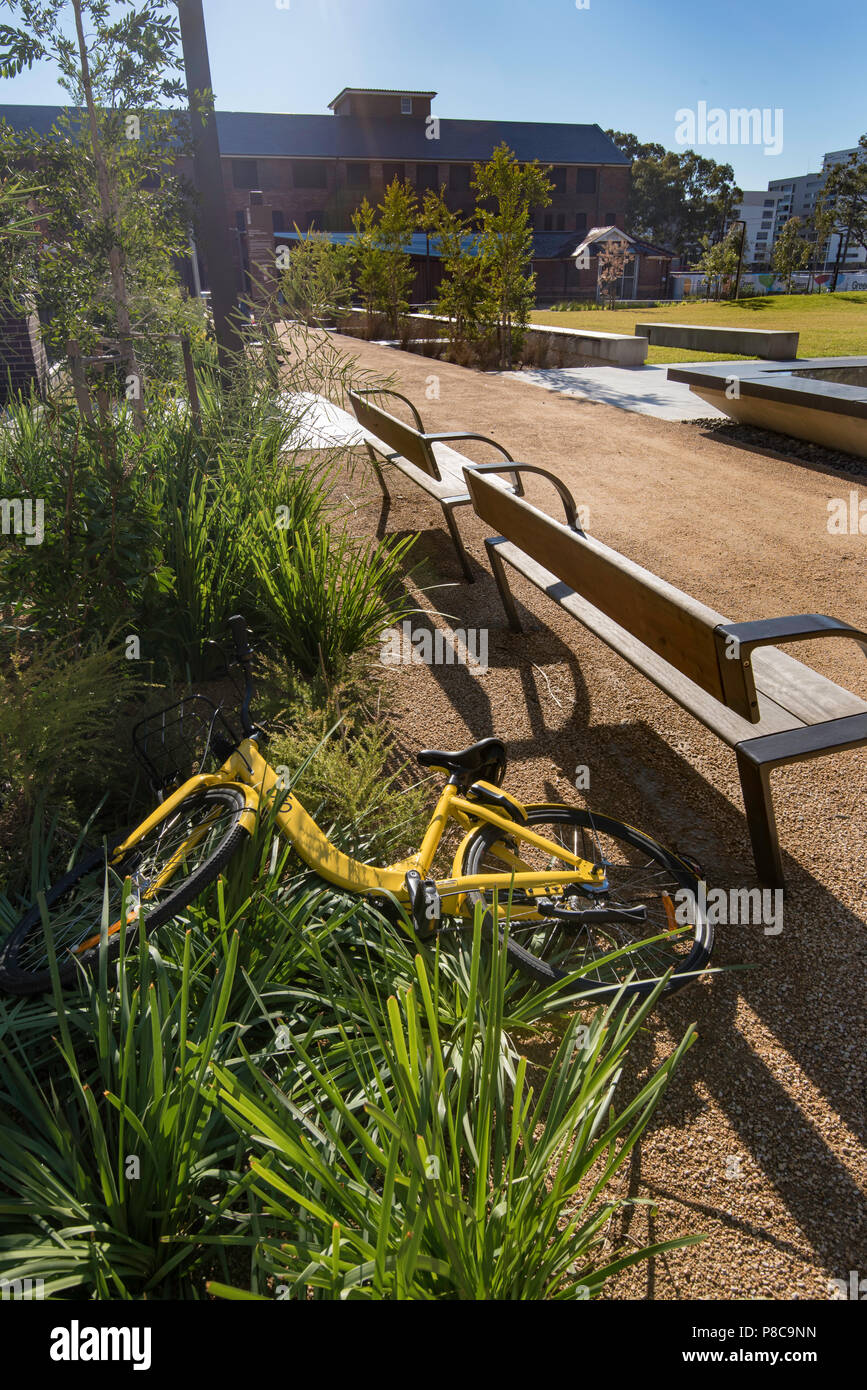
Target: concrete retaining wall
[(548, 346), (745, 342)]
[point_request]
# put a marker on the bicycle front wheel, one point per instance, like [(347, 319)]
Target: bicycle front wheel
[(167, 869), (658, 889)]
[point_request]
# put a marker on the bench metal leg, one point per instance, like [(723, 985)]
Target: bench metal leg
[(498, 569), (378, 471), (448, 513), (762, 822)]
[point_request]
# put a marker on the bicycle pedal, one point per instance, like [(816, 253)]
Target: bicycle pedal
[(425, 905)]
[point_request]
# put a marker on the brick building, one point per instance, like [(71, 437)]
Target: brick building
[(314, 170)]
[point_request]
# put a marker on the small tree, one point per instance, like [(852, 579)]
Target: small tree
[(505, 192), (845, 197), (125, 66), (317, 280), (463, 295), (719, 261), (611, 263), (791, 251), (383, 266), (398, 218), (368, 261)]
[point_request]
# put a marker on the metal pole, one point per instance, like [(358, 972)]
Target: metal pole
[(740, 250), (214, 231)]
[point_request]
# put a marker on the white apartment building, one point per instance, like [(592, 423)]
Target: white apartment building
[(758, 209)]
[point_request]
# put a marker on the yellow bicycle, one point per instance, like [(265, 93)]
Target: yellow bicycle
[(567, 890)]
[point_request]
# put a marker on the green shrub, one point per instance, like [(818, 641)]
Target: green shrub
[(372, 808), (328, 596), (395, 1171)]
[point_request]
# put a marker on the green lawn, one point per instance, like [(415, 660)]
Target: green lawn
[(830, 325)]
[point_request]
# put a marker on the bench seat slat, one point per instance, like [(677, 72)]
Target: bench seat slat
[(807, 694)]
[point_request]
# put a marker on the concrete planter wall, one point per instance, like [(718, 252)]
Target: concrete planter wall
[(544, 345)]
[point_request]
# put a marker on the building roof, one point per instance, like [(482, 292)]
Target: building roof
[(264, 135), (377, 92), (644, 248)]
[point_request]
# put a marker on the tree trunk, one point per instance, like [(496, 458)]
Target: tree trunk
[(111, 217)]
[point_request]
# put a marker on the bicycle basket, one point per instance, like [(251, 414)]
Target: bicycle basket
[(177, 742)]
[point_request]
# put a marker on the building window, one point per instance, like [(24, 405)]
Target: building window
[(390, 172), (309, 173), (769, 202), (245, 173), (561, 222), (278, 220), (547, 223), (581, 222), (610, 219), (426, 176), (558, 178), (459, 178), (358, 175), (241, 220), (406, 106), (586, 181), (315, 220)]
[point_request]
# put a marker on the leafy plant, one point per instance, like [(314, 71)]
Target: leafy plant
[(328, 596), (505, 192), (415, 1176)]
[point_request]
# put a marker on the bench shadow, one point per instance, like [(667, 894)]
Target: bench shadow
[(636, 776)]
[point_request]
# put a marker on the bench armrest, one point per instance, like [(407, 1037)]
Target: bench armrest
[(448, 435), (386, 391), (566, 497), (736, 643)]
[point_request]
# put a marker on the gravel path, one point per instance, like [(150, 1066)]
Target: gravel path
[(760, 1141)]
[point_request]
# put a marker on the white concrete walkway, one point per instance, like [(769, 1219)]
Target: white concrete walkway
[(644, 390)]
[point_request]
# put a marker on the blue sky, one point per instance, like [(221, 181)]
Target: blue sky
[(627, 64)]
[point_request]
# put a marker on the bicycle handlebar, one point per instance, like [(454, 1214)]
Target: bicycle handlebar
[(238, 629), (244, 654)]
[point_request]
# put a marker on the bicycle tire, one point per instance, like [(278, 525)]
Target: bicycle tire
[(694, 957), (19, 977)]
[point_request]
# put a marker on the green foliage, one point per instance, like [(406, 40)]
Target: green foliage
[(506, 191), (676, 200), (844, 197), (114, 213), (328, 596), (719, 261), (370, 804), (317, 282), (401, 1172), (61, 700), (100, 561), (791, 251), (464, 293), (383, 266)]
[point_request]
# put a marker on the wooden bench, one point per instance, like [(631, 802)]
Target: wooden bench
[(774, 343), (767, 706), (427, 459)]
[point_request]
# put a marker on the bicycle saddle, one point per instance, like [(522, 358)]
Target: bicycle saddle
[(486, 758)]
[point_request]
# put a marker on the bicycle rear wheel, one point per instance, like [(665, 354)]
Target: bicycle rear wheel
[(640, 874), (167, 869)]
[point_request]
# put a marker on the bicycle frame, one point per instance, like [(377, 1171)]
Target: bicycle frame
[(247, 770)]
